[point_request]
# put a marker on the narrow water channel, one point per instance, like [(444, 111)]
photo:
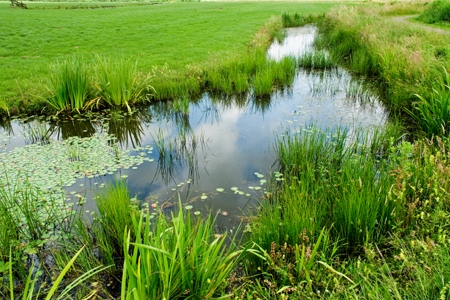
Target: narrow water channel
[(216, 153)]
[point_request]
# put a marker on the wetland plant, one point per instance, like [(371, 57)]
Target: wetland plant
[(319, 60), (292, 20), (169, 84), (33, 291), (4, 106), (118, 83), (330, 183), (69, 86), (432, 113), (296, 19), (231, 75), (177, 258), (273, 74), (115, 214), (36, 132)]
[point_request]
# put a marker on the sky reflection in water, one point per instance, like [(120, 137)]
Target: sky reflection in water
[(222, 143)]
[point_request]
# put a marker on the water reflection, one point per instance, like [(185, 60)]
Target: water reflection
[(64, 128), (129, 128), (217, 141), (6, 126)]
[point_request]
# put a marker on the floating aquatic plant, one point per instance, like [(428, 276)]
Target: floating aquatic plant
[(60, 163)]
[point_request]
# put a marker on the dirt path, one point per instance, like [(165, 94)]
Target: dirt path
[(403, 19)]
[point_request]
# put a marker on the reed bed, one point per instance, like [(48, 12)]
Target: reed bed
[(327, 184)]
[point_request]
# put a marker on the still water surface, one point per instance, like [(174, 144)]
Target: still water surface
[(220, 142)]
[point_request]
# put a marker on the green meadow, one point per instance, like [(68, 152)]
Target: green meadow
[(346, 215), (164, 38)]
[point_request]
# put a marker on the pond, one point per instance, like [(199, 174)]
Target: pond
[(215, 153)]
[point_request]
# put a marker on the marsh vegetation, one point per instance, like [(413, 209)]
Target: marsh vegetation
[(316, 190)]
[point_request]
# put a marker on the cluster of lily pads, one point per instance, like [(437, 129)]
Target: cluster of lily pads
[(59, 163), (45, 171)]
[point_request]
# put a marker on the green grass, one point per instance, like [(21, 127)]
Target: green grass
[(432, 114), (318, 59), (177, 258), (118, 83), (438, 12), (404, 59), (172, 34), (328, 181), (69, 86), (115, 214)]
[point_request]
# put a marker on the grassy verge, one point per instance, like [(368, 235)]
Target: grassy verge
[(405, 60)]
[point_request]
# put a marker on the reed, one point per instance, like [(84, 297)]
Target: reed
[(69, 86), (329, 182), (432, 114), (319, 60), (118, 82), (176, 258), (115, 213)]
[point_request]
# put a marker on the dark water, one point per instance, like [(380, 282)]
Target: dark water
[(217, 142)]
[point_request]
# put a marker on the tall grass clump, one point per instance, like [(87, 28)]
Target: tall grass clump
[(115, 213), (172, 84), (70, 86), (273, 74), (296, 19), (231, 75), (439, 11), (432, 114), (177, 258), (4, 106), (319, 60), (118, 82), (292, 20)]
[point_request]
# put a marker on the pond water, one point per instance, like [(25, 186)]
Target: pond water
[(214, 153)]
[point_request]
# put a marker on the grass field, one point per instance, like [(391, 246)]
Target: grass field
[(172, 34)]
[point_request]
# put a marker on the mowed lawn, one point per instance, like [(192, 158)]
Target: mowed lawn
[(176, 34)]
